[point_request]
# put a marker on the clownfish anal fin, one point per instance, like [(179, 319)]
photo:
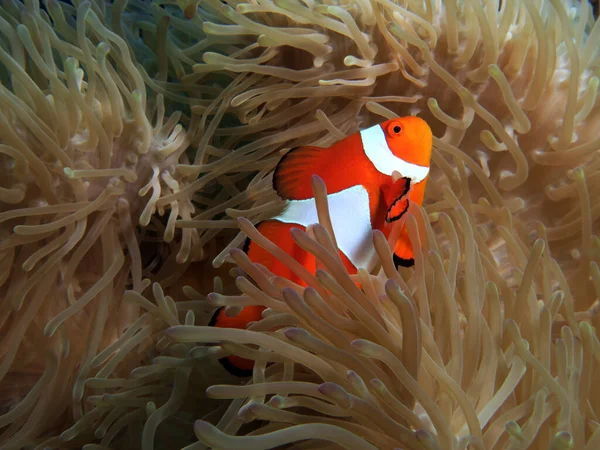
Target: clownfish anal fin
[(402, 262), (399, 205), (292, 176)]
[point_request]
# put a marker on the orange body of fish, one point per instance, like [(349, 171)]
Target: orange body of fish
[(363, 195)]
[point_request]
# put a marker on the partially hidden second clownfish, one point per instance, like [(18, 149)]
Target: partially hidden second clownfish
[(362, 196)]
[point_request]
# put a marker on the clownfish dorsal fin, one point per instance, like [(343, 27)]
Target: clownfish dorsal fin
[(292, 176)]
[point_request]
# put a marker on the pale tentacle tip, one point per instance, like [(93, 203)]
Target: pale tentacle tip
[(562, 441)]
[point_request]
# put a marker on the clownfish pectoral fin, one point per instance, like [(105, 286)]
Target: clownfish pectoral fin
[(397, 210), (396, 196), (292, 176)]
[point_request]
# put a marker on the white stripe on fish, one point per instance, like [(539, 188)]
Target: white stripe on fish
[(377, 150), (350, 218)]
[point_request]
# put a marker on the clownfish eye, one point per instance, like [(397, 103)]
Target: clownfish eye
[(394, 129)]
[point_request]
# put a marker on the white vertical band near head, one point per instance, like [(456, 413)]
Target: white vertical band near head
[(379, 153)]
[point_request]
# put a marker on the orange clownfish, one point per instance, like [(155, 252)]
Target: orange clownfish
[(362, 196)]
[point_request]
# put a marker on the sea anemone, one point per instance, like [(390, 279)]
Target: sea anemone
[(160, 399), (447, 356), (84, 155), (510, 91), (509, 254)]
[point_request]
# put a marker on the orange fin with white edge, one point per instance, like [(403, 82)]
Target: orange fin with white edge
[(403, 252), (293, 174)]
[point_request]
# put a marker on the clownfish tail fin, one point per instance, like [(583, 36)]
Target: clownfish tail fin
[(214, 319), (235, 370), (403, 262), (235, 365), (246, 245)]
